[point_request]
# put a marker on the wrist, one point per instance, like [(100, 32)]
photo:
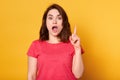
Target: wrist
[(77, 49)]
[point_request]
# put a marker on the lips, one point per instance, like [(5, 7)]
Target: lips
[(54, 28)]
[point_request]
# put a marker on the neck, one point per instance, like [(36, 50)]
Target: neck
[(53, 39)]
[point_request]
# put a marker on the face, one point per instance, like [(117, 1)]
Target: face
[(54, 22)]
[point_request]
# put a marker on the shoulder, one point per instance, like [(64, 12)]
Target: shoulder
[(37, 41), (71, 47), (68, 45)]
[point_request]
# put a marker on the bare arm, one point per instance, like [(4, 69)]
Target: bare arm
[(32, 68), (77, 66)]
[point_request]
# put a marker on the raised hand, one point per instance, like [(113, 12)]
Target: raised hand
[(74, 39)]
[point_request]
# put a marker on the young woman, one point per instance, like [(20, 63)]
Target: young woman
[(57, 53)]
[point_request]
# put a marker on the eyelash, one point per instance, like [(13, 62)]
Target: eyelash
[(59, 18), (50, 18)]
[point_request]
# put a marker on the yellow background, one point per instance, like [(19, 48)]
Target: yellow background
[(98, 26)]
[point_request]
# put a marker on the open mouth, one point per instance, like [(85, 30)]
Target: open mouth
[(54, 28)]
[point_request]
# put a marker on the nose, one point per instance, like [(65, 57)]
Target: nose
[(54, 21)]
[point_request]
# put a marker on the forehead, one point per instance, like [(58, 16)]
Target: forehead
[(53, 12)]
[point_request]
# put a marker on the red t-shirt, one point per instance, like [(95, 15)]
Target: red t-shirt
[(54, 61)]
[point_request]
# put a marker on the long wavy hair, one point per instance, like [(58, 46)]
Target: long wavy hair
[(65, 32)]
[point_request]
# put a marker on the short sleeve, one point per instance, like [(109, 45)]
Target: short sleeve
[(32, 50), (73, 50), (82, 50)]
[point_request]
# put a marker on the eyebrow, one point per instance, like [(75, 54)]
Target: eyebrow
[(52, 15)]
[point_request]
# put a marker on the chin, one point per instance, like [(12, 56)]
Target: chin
[(55, 34)]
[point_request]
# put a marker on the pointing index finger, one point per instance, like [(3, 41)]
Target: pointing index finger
[(74, 30)]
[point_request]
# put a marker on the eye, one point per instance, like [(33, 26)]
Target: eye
[(50, 18), (59, 17)]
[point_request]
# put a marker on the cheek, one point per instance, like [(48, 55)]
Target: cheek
[(61, 22), (61, 27), (48, 23)]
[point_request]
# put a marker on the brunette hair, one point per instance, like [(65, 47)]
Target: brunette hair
[(65, 32)]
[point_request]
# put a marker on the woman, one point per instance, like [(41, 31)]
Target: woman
[(57, 53)]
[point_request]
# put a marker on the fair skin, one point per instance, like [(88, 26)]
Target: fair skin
[(55, 19), (77, 66)]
